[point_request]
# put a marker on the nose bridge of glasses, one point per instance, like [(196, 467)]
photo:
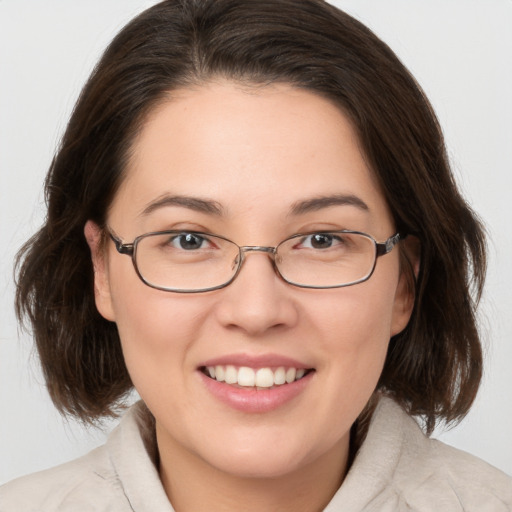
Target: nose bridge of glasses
[(270, 251), (258, 248)]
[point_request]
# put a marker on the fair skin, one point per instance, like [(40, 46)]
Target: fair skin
[(256, 153)]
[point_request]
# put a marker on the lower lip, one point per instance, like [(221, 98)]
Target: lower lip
[(252, 400)]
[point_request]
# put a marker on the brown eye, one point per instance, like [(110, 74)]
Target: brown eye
[(319, 241)]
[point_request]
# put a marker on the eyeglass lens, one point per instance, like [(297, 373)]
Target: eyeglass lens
[(184, 261)]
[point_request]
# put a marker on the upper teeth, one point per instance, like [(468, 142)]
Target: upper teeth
[(249, 377)]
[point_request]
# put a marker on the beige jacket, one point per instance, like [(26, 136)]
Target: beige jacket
[(397, 469)]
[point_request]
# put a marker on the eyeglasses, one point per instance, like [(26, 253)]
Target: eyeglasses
[(192, 261)]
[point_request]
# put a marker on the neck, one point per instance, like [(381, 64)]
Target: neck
[(194, 485)]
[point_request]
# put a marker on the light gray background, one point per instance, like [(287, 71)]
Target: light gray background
[(459, 50)]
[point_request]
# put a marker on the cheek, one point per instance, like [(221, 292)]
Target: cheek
[(360, 317), (156, 331), (356, 329)]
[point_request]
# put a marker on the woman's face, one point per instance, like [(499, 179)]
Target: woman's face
[(249, 157)]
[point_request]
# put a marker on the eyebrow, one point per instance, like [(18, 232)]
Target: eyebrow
[(192, 203), (215, 208), (319, 203)]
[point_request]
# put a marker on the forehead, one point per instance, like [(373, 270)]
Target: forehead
[(270, 146)]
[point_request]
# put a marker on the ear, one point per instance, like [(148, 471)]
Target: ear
[(406, 290), (102, 293)]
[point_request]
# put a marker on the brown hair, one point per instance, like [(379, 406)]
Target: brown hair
[(433, 367)]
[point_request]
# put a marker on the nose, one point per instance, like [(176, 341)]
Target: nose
[(258, 300)]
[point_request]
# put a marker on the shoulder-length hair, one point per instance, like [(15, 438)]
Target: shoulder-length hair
[(434, 366)]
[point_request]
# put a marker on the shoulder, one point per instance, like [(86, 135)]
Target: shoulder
[(85, 484), (120, 476), (100, 481), (431, 475), (451, 475)]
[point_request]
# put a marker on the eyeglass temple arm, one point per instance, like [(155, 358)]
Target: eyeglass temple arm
[(121, 248), (387, 246)]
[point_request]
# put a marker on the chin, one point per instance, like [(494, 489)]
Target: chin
[(258, 467), (263, 459)]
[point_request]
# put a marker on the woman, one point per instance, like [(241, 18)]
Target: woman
[(252, 221)]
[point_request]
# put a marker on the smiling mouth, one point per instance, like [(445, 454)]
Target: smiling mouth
[(261, 378)]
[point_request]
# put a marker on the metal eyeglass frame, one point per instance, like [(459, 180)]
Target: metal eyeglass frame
[(130, 249)]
